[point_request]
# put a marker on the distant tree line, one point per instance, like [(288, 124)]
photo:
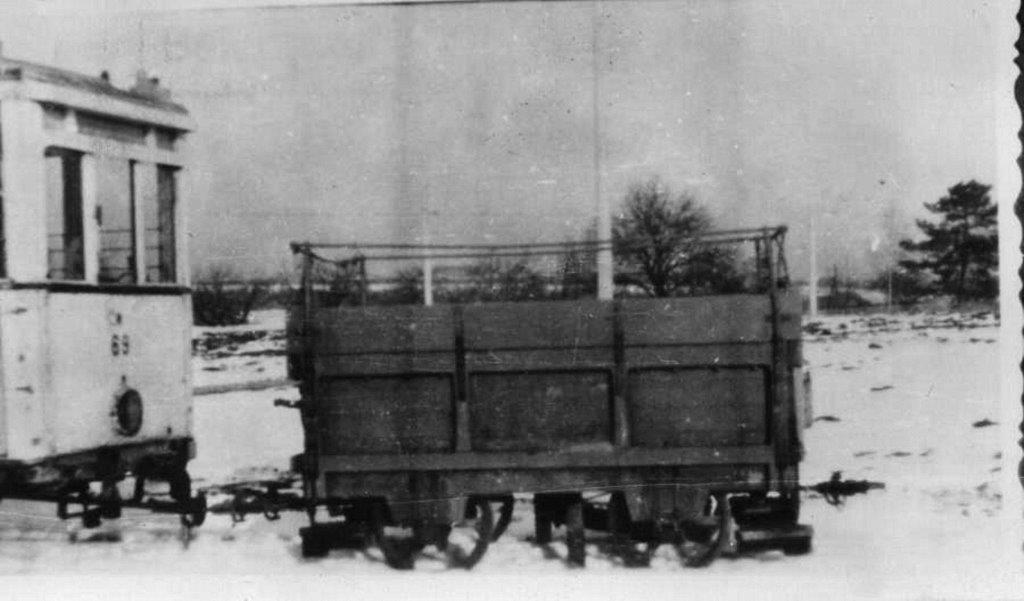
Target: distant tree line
[(657, 249), (658, 252)]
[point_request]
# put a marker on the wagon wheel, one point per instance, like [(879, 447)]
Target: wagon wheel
[(399, 552), (789, 512), (504, 517), (314, 542), (542, 520), (468, 539), (575, 538), (701, 540), (430, 534), (634, 553)]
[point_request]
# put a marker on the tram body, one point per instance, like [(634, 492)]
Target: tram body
[(95, 310)]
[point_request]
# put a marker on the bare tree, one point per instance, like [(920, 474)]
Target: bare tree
[(222, 297)]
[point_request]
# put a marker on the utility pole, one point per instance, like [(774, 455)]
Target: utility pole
[(605, 283), (428, 260), (833, 291), (428, 281), (813, 284), (889, 296)]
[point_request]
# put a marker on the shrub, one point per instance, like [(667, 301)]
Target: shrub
[(222, 298)]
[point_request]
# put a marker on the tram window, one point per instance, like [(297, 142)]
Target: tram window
[(159, 215), (115, 207), (64, 223)]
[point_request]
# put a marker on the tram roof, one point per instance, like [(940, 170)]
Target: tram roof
[(11, 69)]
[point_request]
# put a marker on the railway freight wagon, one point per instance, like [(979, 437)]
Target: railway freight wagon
[(657, 420), (95, 312)]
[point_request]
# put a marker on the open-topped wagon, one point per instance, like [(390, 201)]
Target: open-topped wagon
[(682, 416)]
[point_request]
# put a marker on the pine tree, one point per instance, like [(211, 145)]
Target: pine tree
[(962, 250)]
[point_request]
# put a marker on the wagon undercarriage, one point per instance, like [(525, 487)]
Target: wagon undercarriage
[(700, 528)]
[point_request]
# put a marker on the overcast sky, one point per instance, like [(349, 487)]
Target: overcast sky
[(348, 122)]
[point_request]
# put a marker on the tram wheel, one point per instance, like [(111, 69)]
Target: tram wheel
[(109, 501), (468, 539), (196, 512), (703, 539), (91, 517)]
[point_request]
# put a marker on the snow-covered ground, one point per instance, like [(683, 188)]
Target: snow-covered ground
[(910, 401)]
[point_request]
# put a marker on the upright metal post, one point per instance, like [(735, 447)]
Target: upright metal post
[(605, 282), (428, 280), (310, 464), (463, 442), (428, 260), (363, 286), (781, 402), (889, 296), (759, 266), (620, 407), (812, 288), (307, 288)]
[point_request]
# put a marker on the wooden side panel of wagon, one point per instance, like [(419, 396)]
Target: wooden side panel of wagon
[(385, 380), (582, 385), (539, 375)]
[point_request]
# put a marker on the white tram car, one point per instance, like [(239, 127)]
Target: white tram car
[(95, 310)]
